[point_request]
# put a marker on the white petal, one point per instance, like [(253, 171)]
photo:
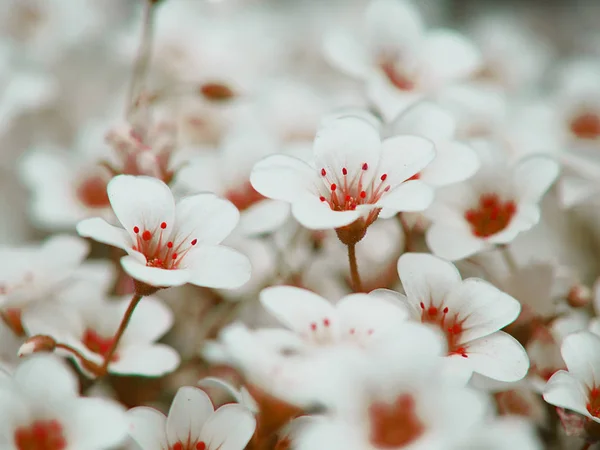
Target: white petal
[(425, 119), (574, 190), (206, 217), (346, 53), (533, 176), (390, 101), (297, 308), (581, 353), (141, 201), (100, 230), (447, 56), (426, 279), (151, 320), (146, 360), (147, 427), (96, 422), (218, 267), (283, 177), (566, 391), (40, 372), (317, 215), (154, 276), (264, 217), (392, 25), (347, 143), (229, 428), (498, 356), (410, 196), (484, 308), (404, 156), (452, 243), (453, 162), (66, 252), (190, 410)]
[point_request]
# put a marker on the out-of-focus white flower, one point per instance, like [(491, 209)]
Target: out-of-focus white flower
[(577, 389), (168, 244), (192, 424), (9, 348), (401, 61), (469, 313), (506, 433), (491, 208), (88, 323), (40, 408), (355, 175)]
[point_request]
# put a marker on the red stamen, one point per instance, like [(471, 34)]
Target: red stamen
[(195, 241), (136, 230), (365, 166), (344, 171), (146, 235), (163, 225), (323, 172)]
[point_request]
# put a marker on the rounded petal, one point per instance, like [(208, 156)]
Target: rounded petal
[(453, 162), (146, 360), (152, 319), (426, 278), (533, 176), (100, 230), (392, 25), (566, 391), (40, 371), (148, 427), (264, 217), (283, 177), (426, 119), (346, 53), (498, 356), (452, 243), (141, 201), (581, 353), (229, 428), (317, 215), (217, 266), (190, 411), (154, 276), (404, 156), (297, 308), (206, 217), (410, 196)]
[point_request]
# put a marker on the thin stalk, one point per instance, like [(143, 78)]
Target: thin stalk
[(408, 233), (509, 260), (356, 283)]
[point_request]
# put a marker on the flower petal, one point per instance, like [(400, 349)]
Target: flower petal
[(410, 196), (346, 53), (264, 217), (148, 428), (453, 162), (452, 243), (229, 428), (154, 276), (317, 215), (100, 230), (37, 372), (566, 391), (533, 176), (392, 25), (426, 119), (189, 412), (218, 267), (581, 353), (404, 156), (152, 319), (146, 360), (283, 177)]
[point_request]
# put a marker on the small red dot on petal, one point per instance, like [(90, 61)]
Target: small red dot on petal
[(163, 225), (195, 241), (365, 166), (323, 172), (136, 230), (313, 326), (326, 322)]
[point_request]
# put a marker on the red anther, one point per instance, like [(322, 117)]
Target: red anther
[(200, 446), (348, 198), (383, 177), (352, 331), (432, 311), (195, 241), (422, 305), (313, 326), (170, 244), (174, 256), (344, 171), (326, 322), (322, 198), (363, 194), (163, 225), (333, 187), (365, 166), (136, 230), (323, 172), (177, 446), (146, 235), (446, 310)]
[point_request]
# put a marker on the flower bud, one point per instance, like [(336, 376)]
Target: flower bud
[(38, 343), (579, 295)]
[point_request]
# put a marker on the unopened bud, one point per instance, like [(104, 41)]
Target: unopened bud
[(38, 343), (579, 295)]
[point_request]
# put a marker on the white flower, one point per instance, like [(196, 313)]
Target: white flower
[(9, 348), (192, 424), (469, 313), (577, 389), (40, 408), (88, 323), (491, 208), (401, 61), (168, 244), (505, 433), (357, 319), (355, 175)]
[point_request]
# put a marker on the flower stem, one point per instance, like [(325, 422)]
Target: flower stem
[(86, 363), (122, 327), (356, 284), (586, 445), (509, 260), (408, 234)]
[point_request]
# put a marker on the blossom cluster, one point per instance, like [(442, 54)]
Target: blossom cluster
[(269, 225)]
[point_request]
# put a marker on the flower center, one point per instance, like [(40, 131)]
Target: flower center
[(92, 192), (159, 251), (98, 344), (41, 435), (395, 425), (188, 445), (449, 323), (398, 79), (586, 126), (491, 215), (593, 404), (244, 197)]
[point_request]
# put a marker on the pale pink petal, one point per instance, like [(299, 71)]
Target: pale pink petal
[(39, 371), (95, 423), (148, 427), (410, 196), (218, 267), (426, 279), (229, 428), (317, 215), (533, 176), (100, 230), (498, 356), (154, 276), (283, 177), (404, 156), (346, 53), (264, 217), (453, 162), (392, 26), (205, 217), (452, 243), (581, 353), (141, 201), (426, 119), (566, 391), (349, 143), (152, 319), (190, 411), (145, 360), (299, 309)]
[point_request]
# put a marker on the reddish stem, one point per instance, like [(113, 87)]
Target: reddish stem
[(356, 283)]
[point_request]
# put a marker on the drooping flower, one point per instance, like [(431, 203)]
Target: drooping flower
[(168, 244), (355, 176), (192, 424)]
